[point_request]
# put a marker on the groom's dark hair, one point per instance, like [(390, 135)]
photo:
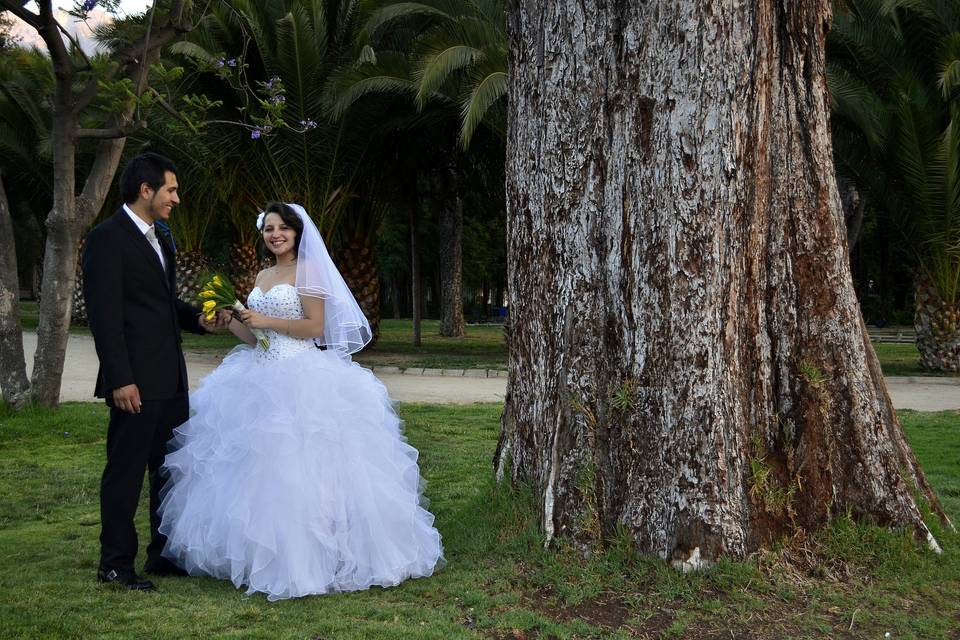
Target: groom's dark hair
[(146, 167), (290, 218)]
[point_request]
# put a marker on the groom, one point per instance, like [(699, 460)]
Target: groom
[(135, 317)]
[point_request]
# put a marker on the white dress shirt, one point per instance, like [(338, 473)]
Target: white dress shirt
[(150, 232)]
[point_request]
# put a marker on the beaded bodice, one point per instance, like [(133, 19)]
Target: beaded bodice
[(280, 301)]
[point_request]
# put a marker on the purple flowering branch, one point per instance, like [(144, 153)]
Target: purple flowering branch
[(269, 94)]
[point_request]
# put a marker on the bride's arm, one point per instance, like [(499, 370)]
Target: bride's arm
[(238, 329)]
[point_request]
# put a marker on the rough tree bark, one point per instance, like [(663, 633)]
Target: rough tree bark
[(72, 214), (13, 379), (687, 356), (451, 258)]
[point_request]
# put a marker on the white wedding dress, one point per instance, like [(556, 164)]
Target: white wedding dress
[(292, 476)]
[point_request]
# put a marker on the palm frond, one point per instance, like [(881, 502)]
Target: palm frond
[(473, 110), (949, 158), (434, 68), (193, 51), (855, 100), (367, 55), (914, 151), (949, 80), (397, 11), (371, 84), (298, 60)]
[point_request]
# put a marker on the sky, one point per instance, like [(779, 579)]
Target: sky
[(29, 37)]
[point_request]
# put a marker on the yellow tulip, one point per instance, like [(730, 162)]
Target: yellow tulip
[(210, 316), (207, 294), (217, 281), (209, 306)]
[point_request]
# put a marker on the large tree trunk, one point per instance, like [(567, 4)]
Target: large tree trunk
[(59, 259), (687, 357), (13, 368), (451, 259)]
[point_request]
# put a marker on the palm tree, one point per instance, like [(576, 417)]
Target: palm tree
[(267, 65), (446, 52), (446, 59), (264, 67), (894, 77)]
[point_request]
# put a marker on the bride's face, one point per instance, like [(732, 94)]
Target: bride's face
[(278, 235)]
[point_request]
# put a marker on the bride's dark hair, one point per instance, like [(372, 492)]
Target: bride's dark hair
[(289, 217)]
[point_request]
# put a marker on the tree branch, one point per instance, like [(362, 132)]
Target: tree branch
[(137, 52), (146, 44), (169, 108), (97, 184), (114, 132), (49, 29), (17, 9), (75, 43)]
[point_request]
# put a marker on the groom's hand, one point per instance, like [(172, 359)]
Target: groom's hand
[(127, 398), (218, 324)]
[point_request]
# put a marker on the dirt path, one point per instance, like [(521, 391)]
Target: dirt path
[(80, 371)]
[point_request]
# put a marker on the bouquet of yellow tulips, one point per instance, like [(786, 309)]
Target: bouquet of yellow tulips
[(218, 294)]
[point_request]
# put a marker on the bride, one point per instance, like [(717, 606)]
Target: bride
[(292, 476)]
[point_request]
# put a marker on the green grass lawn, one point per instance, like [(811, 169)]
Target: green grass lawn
[(902, 360), (482, 348), (498, 583)]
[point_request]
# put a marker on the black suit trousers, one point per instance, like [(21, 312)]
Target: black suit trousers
[(135, 443)]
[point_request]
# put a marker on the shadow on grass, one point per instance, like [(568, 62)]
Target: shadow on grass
[(849, 580)]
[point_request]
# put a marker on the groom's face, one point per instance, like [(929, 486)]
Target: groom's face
[(162, 201)]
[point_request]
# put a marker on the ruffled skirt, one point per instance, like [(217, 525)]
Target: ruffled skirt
[(292, 477)]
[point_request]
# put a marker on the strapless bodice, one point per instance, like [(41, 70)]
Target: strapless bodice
[(280, 301)]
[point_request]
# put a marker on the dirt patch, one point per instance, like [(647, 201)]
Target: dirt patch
[(607, 611), (516, 634), (610, 612)]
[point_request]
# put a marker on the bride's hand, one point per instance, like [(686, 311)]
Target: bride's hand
[(254, 320)]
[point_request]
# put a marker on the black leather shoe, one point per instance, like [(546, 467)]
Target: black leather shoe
[(163, 567), (122, 578)]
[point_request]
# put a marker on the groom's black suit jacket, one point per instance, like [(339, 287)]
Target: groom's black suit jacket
[(134, 313)]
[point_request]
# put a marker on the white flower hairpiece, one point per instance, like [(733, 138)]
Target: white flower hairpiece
[(260, 221)]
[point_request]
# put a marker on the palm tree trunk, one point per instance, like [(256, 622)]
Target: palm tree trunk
[(937, 324), (451, 257), (13, 381), (357, 261), (415, 266), (485, 302), (698, 373), (395, 289)]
